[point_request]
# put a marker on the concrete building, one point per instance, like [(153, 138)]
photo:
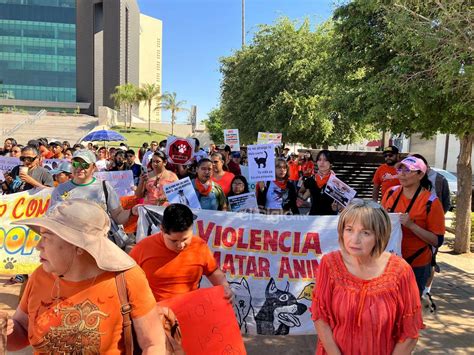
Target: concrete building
[(151, 35), (107, 49)]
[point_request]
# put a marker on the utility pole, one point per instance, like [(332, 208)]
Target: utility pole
[(243, 23)]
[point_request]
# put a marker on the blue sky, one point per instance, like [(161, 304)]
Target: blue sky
[(196, 33)]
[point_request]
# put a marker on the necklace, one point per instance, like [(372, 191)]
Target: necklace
[(56, 297)]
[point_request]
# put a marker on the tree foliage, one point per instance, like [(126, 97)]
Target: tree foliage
[(125, 97), (214, 126), (148, 93), (279, 83), (170, 103)]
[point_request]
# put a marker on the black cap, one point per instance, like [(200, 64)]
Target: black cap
[(391, 149)]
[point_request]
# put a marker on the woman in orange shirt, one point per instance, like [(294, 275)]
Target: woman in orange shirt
[(71, 304), (365, 300), (421, 216)]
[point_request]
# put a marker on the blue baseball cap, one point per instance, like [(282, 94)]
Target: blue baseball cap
[(64, 167)]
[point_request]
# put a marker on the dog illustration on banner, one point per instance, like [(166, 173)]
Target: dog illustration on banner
[(242, 303), (279, 312)]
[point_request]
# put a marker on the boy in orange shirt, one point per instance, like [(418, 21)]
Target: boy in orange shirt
[(174, 260)]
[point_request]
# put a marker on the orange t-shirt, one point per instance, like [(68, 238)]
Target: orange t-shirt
[(433, 222), (225, 182), (170, 273), (294, 170), (86, 318), (386, 177), (307, 168)]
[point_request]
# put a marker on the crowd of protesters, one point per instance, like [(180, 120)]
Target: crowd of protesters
[(406, 186)]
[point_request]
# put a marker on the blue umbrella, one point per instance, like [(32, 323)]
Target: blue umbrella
[(104, 135)]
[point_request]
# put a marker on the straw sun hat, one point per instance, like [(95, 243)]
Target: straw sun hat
[(84, 224)]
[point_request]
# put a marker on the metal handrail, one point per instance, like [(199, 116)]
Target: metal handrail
[(29, 120)]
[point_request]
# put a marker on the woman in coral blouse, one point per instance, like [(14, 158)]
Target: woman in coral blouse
[(150, 185), (366, 300)]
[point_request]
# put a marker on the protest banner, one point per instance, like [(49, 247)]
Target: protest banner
[(6, 165), (243, 202), (182, 191), (180, 150), (207, 322), (339, 190), (52, 164), (121, 181), (269, 138), (17, 243), (231, 138), (265, 257), (261, 159)]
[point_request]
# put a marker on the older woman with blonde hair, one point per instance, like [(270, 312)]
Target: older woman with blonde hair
[(74, 300), (365, 300)]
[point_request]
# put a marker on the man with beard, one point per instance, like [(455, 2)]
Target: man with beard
[(386, 174), (119, 161)]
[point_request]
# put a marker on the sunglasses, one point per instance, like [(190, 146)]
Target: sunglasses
[(405, 170), (386, 155), (28, 159), (78, 164), (361, 203)]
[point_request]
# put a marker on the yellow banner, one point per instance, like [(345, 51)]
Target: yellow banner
[(17, 243)]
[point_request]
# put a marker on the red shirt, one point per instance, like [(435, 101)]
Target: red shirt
[(225, 182), (307, 168), (294, 170)]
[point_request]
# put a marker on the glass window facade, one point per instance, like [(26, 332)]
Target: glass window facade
[(38, 50)]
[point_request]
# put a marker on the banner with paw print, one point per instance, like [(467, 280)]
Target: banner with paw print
[(17, 243)]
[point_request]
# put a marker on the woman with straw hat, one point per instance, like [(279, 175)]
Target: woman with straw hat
[(72, 304)]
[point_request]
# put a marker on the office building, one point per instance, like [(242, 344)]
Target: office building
[(151, 32)]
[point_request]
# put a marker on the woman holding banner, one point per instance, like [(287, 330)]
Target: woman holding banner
[(321, 203), (365, 300), (150, 185), (279, 196), (72, 303)]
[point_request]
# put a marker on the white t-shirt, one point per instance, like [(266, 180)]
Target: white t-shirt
[(274, 197), (102, 165)]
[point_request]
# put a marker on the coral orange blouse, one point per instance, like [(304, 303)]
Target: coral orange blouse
[(367, 316)]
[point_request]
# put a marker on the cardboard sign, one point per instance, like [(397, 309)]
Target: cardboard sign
[(7, 164), (339, 190), (121, 181), (182, 191), (207, 321), (268, 256), (180, 150), (231, 138), (52, 164), (267, 138), (261, 160), (244, 202)]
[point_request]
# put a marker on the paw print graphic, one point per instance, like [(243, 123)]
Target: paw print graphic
[(182, 148), (9, 263)]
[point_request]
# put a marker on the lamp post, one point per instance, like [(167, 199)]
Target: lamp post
[(243, 23)]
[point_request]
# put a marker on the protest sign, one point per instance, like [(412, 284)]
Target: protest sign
[(121, 181), (261, 159), (243, 202), (52, 164), (268, 256), (180, 150), (231, 138), (207, 322), (182, 191), (6, 165), (269, 138), (339, 190), (17, 243)]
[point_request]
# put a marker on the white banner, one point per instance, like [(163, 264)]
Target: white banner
[(182, 191), (231, 138), (261, 159), (265, 257), (121, 181)]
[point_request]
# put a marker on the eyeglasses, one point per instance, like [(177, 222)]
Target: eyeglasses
[(361, 203), (78, 164), (238, 183), (28, 159)]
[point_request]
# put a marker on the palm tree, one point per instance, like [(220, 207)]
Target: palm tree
[(126, 95), (147, 93), (169, 103)]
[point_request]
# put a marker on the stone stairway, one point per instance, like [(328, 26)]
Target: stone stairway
[(52, 126)]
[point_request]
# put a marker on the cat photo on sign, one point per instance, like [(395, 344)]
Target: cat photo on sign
[(261, 158)]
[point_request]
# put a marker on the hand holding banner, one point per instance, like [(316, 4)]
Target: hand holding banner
[(207, 321)]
